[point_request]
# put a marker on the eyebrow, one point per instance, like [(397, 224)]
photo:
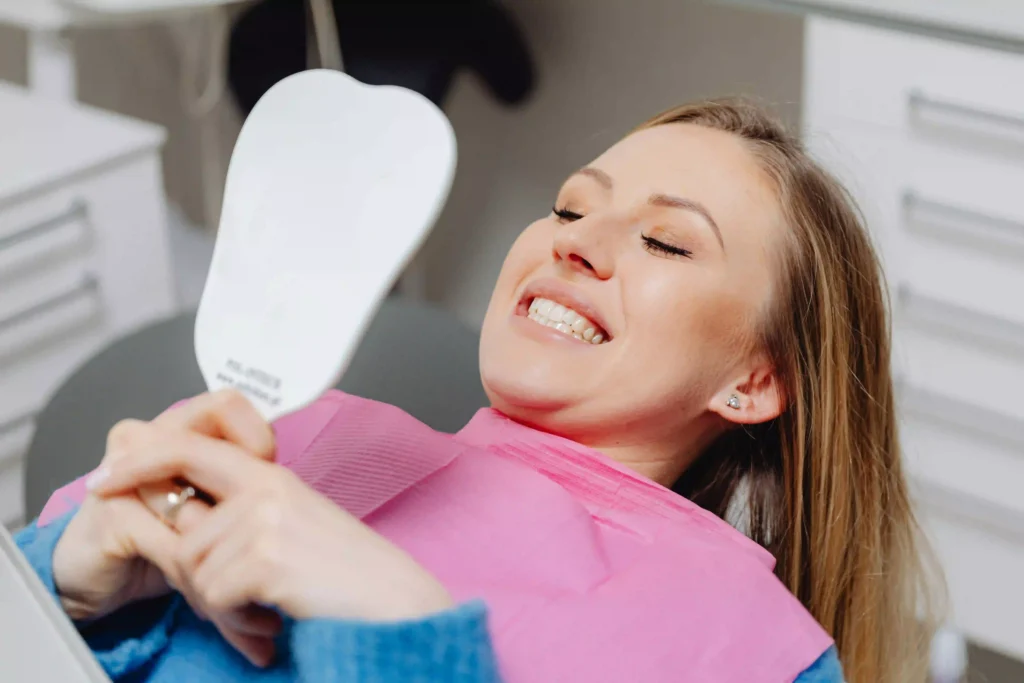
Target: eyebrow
[(688, 205), (659, 199), (602, 178)]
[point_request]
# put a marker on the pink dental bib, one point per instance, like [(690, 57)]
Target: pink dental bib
[(591, 572)]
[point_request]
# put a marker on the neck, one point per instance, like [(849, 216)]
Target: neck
[(661, 468), (652, 453)]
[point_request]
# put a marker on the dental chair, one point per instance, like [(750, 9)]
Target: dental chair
[(414, 356)]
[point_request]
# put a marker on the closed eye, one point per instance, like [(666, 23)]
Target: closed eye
[(653, 245), (566, 216), (650, 243)]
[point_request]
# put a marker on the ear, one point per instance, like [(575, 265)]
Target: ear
[(758, 394)]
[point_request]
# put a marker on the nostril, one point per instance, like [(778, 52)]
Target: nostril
[(581, 261)]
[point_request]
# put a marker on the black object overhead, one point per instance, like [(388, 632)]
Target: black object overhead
[(417, 45)]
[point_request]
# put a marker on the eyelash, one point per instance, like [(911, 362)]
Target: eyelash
[(566, 214), (650, 244)]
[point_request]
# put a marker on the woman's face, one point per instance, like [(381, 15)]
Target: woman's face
[(662, 250)]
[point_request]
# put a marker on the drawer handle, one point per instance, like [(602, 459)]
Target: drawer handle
[(1004, 231), (960, 415), (88, 287), (78, 210), (919, 104), (974, 325), (16, 423), (962, 506)]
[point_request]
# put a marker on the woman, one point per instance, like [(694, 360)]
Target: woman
[(700, 320)]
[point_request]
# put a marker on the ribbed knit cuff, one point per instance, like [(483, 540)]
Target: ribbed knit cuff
[(450, 647)]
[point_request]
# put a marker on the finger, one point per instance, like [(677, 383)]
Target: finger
[(228, 415), (220, 562), (189, 516), (228, 577), (220, 524), (237, 585), (217, 467), (254, 620), (121, 437), (249, 630), (192, 513), (149, 538), (214, 546), (188, 592), (259, 650)]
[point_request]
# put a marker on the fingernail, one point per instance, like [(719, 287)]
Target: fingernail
[(96, 479)]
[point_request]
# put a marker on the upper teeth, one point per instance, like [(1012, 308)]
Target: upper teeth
[(566, 320)]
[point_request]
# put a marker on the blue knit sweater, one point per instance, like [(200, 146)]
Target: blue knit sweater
[(162, 641)]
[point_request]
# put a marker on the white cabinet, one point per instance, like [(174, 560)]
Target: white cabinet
[(929, 136), (83, 253)]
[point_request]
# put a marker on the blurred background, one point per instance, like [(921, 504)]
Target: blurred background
[(117, 119)]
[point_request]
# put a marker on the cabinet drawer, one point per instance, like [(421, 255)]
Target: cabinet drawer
[(88, 262), (46, 348), (949, 352), (966, 466), (48, 250), (970, 452), (950, 225), (110, 225), (36, 233), (928, 87), (982, 568)]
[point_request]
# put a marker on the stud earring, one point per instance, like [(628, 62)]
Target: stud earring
[(733, 402)]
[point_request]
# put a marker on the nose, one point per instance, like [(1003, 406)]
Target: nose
[(581, 247)]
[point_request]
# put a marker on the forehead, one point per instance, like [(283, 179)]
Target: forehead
[(713, 167)]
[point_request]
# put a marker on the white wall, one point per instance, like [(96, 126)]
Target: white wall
[(605, 65)]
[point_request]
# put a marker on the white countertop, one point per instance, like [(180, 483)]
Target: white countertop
[(997, 22), (54, 15), (39, 15), (46, 141)]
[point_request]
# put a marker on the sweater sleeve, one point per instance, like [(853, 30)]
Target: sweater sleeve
[(451, 647), (825, 670), (123, 642)]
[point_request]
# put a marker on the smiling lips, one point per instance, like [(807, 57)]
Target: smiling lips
[(566, 320)]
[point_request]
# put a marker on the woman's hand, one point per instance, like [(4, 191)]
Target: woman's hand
[(272, 540), (117, 550), (114, 552)]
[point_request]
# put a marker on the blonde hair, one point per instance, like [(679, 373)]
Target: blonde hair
[(824, 482)]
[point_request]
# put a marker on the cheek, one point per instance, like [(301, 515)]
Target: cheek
[(530, 251), (515, 374), (683, 311), (532, 248), (526, 256)]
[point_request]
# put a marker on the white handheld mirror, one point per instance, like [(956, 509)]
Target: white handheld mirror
[(332, 188)]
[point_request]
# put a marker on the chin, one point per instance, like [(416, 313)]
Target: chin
[(536, 380), (517, 395), (542, 402)]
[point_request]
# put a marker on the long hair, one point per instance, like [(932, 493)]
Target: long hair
[(823, 484)]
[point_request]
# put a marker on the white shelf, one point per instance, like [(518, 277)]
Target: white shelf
[(60, 140), (35, 15), (998, 22), (56, 15)]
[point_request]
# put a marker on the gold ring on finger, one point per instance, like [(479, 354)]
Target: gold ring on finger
[(176, 500)]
